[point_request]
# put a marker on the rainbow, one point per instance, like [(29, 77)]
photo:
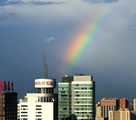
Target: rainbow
[(83, 39)]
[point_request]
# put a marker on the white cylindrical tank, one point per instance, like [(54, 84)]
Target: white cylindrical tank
[(45, 83)]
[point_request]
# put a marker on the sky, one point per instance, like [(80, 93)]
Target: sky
[(28, 28)]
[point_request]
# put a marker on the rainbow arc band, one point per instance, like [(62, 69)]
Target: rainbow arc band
[(83, 39)]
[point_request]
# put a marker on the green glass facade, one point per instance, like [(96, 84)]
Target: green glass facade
[(76, 98), (84, 101), (64, 101)]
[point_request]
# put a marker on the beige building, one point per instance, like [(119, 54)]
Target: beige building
[(98, 110), (120, 115), (108, 104), (99, 118)]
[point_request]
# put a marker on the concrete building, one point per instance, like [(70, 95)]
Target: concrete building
[(99, 118), (8, 101), (76, 96), (39, 105), (124, 103), (98, 110), (120, 115), (108, 104), (134, 104)]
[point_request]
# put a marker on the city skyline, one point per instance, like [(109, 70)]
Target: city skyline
[(28, 29)]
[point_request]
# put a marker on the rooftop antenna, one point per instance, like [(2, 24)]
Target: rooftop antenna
[(45, 66)]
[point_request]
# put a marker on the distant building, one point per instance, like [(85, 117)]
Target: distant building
[(98, 110), (108, 104), (76, 98), (100, 118), (134, 104), (8, 101), (120, 115), (40, 105), (124, 103)]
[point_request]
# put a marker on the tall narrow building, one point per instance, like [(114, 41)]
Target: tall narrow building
[(124, 103), (98, 110), (76, 97)]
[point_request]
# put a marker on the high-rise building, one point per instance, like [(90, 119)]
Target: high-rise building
[(39, 105), (108, 104), (134, 104), (124, 103), (122, 114), (8, 101), (76, 97)]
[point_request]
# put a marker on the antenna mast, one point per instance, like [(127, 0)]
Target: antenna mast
[(45, 66)]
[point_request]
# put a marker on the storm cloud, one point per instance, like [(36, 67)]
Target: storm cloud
[(27, 2), (110, 57), (101, 1)]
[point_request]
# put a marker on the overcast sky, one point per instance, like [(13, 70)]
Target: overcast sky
[(29, 27)]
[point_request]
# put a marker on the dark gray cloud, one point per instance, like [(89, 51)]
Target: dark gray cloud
[(100, 1), (44, 3), (19, 2), (110, 58), (6, 2)]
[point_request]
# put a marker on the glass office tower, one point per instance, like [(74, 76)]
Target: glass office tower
[(76, 97)]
